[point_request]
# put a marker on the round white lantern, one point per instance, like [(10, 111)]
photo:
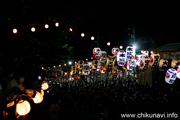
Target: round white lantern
[(86, 69), (144, 62), (103, 56), (121, 58), (130, 52), (170, 76)]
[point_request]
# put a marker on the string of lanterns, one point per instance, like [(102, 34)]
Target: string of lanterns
[(23, 107)]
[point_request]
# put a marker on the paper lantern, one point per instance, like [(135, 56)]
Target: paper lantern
[(23, 107), (97, 53), (130, 52), (178, 72), (38, 98), (80, 71), (110, 63), (170, 76), (121, 58), (144, 62), (44, 85), (114, 51), (174, 63), (73, 69), (94, 65), (130, 64), (163, 64), (154, 59), (138, 59), (103, 56), (42, 92), (80, 64), (86, 69)]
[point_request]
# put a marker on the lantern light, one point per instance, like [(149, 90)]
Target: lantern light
[(82, 34), (121, 47), (33, 29), (170, 76), (70, 63), (44, 85), (15, 31), (38, 98), (92, 38), (23, 107), (42, 92), (108, 43), (57, 24), (46, 26), (70, 29)]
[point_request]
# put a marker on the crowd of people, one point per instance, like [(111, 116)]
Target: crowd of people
[(103, 99)]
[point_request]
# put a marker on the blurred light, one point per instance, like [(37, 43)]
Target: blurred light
[(64, 64), (152, 52), (33, 29), (70, 29), (59, 65), (142, 51), (121, 47), (82, 34), (46, 26), (91, 58), (65, 73), (15, 31), (92, 38), (57, 24), (108, 43), (39, 78), (42, 68), (54, 66), (86, 59), (70, 63)]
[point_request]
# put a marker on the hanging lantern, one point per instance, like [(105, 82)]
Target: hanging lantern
[(138, 59), (73, 70), (178, 72), (103, 56), (154, 59), (114, 51), (110, 63), (80, 71), (130, 52), (170, 76), (80, 64), (94, 65), (115, 73), (144, 63), (130, 64), (38, 98), (86, 69), (174, 63), (23, 107), (97, 53), (44, 85), (121, 58), (163, 64)]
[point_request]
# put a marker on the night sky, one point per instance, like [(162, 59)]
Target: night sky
[(107, 23)]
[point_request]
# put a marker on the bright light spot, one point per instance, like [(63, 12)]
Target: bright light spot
[(59, 65), (108, 43), (92, 38), (33, 29), (65, 64), (15, 31), (86, 59), (46, 26), (70, 63), (65, 73), (91, 58), (121, 47), (57, 24), (54, 66), (82, 34), (70, 29), (39, 78), (152, 52)]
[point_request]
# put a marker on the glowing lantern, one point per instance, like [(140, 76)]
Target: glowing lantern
[(103, 56), (144, 62), (170, 76), (42, 92), (15, 30), (174, 63), (46, 26), (178, 72), (80, 64), (33, 29), (82, 34), (94, 65), (110, 63), (86, 69), (121, 47), (163, 64), (154, 59), (70, 29), (23, 107), (130, 64), (38, 98), (44, 85), (108, 43), (121, 58), (130, 52), (92, 38), (114, 51), (97, 53), (73, 70), (57, 24)]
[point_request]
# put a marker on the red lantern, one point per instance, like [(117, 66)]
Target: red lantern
[(97, 53)]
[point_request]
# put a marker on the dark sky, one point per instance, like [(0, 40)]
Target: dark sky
[(106, 23)]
